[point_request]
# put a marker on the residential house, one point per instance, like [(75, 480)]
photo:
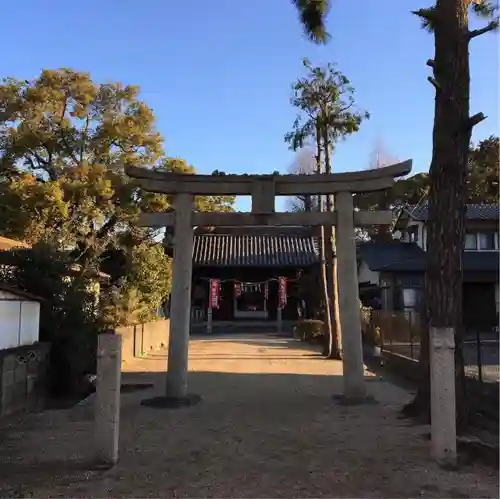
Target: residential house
[(394, 272)]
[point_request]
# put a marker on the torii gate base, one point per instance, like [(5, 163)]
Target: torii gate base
[(263, 189)]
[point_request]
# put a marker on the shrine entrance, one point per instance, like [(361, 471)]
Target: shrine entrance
[(263, 189), (250, 300)]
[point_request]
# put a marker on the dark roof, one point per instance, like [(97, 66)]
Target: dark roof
[(392, 256), (474, 212), (19, 292), (481, 261), (240, 250), (409, 257)]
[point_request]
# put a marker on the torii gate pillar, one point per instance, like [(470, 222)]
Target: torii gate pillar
[(349, 313), (180, 305)]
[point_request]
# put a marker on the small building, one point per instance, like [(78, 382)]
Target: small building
[(248, 262), (392, 274), (19, 318)]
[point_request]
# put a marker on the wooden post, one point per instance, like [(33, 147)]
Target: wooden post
[(181, 298), (349, 312), (107, 407), (209, 320)]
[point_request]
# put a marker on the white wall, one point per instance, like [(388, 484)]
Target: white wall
[(366, 275), (19, 321), (422, 234)]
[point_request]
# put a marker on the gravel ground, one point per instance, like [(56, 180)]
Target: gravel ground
[(267, 427)]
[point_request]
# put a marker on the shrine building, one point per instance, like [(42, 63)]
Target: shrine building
[(248, 264)]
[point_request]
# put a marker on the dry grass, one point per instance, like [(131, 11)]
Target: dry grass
[(267, 427)]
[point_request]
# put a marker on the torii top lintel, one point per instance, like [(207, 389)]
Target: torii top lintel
[(281, 185)]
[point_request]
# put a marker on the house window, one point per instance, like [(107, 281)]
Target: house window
[(413, 234), (470, 241), (486, 240), (482, 241)]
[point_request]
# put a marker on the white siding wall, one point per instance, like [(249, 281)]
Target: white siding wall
[(19, 321), (366, 275)]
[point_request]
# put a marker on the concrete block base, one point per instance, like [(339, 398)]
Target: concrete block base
[(164, 402)]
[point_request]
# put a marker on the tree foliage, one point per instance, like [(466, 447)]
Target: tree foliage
[(312, 15), (324, 99), (64, 143)]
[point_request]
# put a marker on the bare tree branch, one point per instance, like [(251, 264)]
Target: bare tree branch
[(476, 119), (434, 83), (493, 25)]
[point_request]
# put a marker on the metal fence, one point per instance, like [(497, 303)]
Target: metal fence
[(400, 332), (481, 357)]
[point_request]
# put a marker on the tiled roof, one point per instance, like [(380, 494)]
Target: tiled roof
[(392, 257), (474, 212), (19, 292), (481, 261), (224, 250), (409, 257)]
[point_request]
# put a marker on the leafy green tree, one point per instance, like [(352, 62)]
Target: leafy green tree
[(124, 306), (484, 171), (64, 143), (324, 99), (142, 271)]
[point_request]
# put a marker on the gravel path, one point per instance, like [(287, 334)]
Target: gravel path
[(267, 427)]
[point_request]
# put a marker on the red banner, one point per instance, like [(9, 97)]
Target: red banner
[(214, 293), (282, 292), (266, 291), (237, 289)]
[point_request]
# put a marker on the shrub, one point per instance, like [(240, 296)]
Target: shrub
[(311, 330)]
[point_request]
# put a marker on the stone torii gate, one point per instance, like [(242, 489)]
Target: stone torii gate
[(263, 189)]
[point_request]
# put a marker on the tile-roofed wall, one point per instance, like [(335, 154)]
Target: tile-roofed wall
[(474, 212)]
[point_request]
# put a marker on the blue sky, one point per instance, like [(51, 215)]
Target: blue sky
[(218, 73)]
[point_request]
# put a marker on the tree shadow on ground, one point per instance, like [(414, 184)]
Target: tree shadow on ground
[(252, 435)]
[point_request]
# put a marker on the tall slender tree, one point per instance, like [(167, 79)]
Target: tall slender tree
[(325, 101)]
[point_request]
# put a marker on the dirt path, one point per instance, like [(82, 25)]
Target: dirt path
[(267, 427)]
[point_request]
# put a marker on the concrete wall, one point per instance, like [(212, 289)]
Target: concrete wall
[(141, 339), (23, 378)]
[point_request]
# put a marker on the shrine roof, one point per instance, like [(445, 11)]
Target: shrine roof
[(256, 249)]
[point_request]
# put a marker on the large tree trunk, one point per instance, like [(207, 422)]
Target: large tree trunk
[(447, 194)]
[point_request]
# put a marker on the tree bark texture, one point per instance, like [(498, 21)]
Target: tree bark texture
[(447, 195)]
